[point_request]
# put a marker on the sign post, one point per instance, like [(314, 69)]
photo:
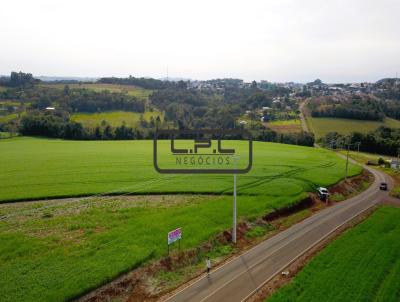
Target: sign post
[(235, 158), (174, 236)]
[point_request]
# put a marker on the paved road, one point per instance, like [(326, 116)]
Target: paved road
[(239, 278)]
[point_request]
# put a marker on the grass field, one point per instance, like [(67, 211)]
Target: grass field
[(115, 118), (131, 90), (36, 168), (323, 125), (58, 250), (285, 126), (8, 117), (362, 265)]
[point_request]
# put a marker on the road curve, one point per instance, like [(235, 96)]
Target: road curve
[(241, 277)]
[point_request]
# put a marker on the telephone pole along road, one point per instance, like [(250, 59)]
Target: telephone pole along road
[(241, 277)]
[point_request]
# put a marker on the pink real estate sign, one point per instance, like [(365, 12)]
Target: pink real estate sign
[(174, 235)]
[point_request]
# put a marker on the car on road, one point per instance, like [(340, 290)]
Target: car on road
[(323, 193), (383, 186)]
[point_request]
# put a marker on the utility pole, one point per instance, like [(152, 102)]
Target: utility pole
[(234, 202), (347, 161)]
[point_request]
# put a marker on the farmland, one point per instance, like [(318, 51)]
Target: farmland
[(59, 249), (285, 126), (323, 125), (362, 265), (131, 90), (38, 168), (115, 118)]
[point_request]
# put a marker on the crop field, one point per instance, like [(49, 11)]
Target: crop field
[(362, 265), (285, 126), (57, 250), (138, 92), (115, 118), (38, 168), (323, 125)]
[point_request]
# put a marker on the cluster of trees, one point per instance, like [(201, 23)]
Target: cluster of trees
[(355, 108), (301, 138), (84, 100), (388, 89), (342, 111), (147, 83), (19, 79), (391, 108), (383, 140), (74, 100), (207, 108)]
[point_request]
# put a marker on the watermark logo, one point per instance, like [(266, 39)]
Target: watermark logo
[(203, 151)]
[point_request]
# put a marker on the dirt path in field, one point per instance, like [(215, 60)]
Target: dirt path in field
[(304, 125)]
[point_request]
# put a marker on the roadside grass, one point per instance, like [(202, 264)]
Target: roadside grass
[(361, 265), (115, 118), (34, 168), (323, 125), (138, 92)]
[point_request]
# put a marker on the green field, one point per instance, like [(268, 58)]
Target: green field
[(323, 125), (2, 88), (362, 265), (131, 90), (35, 168), (115, 118), (58, 250)]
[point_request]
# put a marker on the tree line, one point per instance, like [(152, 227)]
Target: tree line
[(59, 125), (146, 83), (383, 140)]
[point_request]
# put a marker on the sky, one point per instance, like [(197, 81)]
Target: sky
[(274, 40)]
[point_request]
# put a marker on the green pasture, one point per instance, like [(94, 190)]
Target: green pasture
[(138, 92), (323, 125), (115, 118), (362, 265), (44, 168)]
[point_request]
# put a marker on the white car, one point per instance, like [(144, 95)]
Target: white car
[(322, 193)]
